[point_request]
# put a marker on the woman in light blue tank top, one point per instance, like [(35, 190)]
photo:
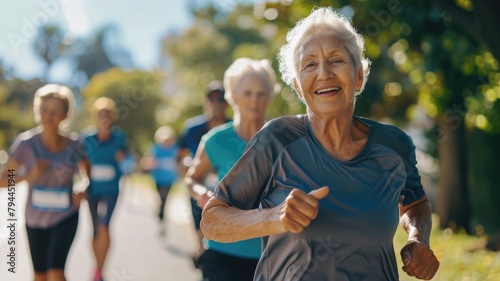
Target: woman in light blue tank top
[(249, 86)]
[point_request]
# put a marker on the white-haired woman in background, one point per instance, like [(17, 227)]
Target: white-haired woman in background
[(332, 186), (48, 159), (249, 86)]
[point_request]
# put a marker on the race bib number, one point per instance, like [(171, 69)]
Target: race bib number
[(50, 199), (102, 172)]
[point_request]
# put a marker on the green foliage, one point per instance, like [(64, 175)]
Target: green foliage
[(461, 257), (16, 101), (203, 52), (138, 99), (49, 45)]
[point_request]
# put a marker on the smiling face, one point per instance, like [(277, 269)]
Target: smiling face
[(251, 96), (327, 77)]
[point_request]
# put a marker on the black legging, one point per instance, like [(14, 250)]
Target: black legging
[(49, 247)]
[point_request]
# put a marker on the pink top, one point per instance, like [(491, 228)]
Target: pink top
[(49, 196)]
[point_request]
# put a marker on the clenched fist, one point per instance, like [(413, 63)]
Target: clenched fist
[(300, 208)]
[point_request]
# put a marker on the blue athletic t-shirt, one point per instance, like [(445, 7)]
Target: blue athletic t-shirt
[(223, 148), (165, 171), (351, 238), (105, 170), (194, 130)]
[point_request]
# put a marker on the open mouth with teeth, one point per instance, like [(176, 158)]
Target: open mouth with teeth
[(328, 91)]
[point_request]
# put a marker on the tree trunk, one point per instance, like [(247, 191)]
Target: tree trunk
[(46, 73), (452, 205), (482, 158)]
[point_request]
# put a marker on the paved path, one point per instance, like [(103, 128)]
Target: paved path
[(138, 251)]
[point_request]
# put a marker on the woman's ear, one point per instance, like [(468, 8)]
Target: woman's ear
[(360, 75), (297, 89)]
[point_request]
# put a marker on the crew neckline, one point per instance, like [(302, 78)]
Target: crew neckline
[(365, 151)]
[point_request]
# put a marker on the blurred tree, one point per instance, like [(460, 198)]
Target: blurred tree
[(97, 54), (3, 71), (49, 45), (84, 56), (16, 102), (449, 70), (137, 96), (204, 50), (478, 18)]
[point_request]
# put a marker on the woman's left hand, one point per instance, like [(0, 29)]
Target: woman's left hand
[(419, 260), (120, 155), (78, 197)]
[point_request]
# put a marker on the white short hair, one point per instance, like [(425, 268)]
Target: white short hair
[(163, 133), (244, 66), (322, 20)]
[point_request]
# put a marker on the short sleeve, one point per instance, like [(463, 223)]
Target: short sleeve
[(211, 153), (210, 145), (181, 142), (81, 148), (23, 153), (243, 185), (20, 151), (413, 189), (122, 141), (87, 143)]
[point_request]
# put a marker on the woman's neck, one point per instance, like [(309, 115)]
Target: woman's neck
[(216, 121), (338, 128), (51, 139), (246, 129), (103, 135), (342, 135)]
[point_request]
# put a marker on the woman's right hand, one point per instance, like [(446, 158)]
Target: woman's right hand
[(300, 208), (203, 197)]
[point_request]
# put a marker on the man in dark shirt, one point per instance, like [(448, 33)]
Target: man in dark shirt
[(194, 128)]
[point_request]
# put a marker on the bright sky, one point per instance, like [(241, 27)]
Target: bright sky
[(141, 24)]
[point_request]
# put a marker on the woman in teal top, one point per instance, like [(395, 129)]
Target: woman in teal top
[(249, 85), (106, 150)]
